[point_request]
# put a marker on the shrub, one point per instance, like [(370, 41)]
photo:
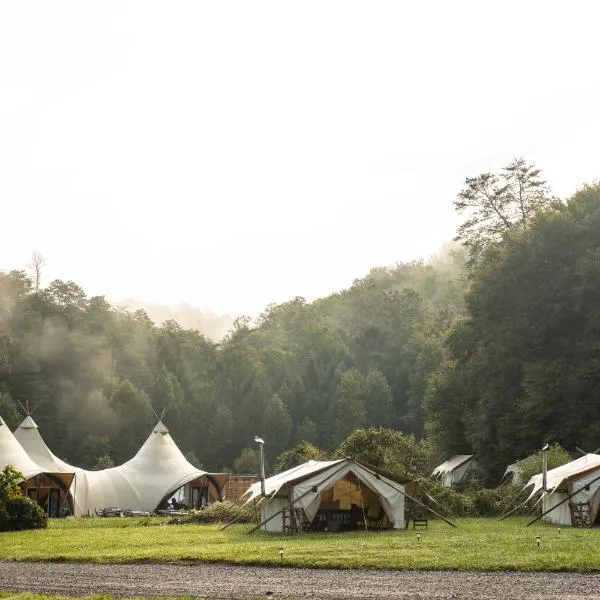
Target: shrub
[(497, 501), (302, 452), (389, 449), (483, 502), (10, 479), (532, 465), (217, 512), (22, 513)]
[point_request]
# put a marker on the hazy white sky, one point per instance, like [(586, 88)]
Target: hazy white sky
[(232, 154)]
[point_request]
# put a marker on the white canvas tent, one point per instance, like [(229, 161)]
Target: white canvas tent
[(565, 480), (156, 471), (29, 438), (12, 453), (455, 469), (46, 480), (344, 483), (512, 474)]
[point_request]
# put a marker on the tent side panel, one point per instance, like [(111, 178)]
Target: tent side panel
[(461, 472), (560, 515), (270, 508)]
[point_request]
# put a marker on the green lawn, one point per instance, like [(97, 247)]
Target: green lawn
[(482, 544)]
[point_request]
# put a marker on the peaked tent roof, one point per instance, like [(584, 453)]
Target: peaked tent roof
[(572, 470), (275, 483), (12, 453), (514, 471), (159, 468), (29, 437), (452, 463)]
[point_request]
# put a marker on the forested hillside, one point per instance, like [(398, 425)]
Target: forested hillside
[(524, 366), (492, 348), (311, 372)]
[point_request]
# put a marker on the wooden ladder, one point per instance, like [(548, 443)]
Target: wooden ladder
[(294, 520), (580, 514)]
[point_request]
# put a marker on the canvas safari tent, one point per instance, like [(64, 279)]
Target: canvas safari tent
[(455, 469), (44, 483), (512, 474), (143, 483), (571, 485), (333, 495)]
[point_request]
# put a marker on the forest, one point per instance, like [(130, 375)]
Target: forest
[(492, 347)]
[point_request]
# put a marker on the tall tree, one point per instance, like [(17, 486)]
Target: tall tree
[(350, 412), (524, 367), (497, 203), (35, 266)]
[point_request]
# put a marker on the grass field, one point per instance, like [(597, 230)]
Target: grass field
[(480, 544)]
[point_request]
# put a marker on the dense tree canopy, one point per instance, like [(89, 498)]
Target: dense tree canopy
[(408, 365), (304, 372), (524, 365)]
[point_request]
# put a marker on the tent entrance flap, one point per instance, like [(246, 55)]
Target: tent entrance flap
[(306, 494), (349, 494)]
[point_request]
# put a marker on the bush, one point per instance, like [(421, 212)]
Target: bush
[(10, 479), (497, 501), (483, 502), (217, 512), (302, 452), (389, 449), (532, 465), (22, 513)]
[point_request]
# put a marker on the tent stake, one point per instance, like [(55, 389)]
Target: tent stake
[(405, 494), (236, 519)]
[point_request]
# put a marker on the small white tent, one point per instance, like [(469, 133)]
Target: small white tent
[(512, 474), (455, 469), (156, 471), (582, 476), (335, 487)]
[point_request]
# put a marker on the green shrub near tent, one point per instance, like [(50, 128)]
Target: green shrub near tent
[(22, 513), (482, 502), (17, 512), (217, 512)]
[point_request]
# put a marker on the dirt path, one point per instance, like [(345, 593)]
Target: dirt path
[(222, 581)]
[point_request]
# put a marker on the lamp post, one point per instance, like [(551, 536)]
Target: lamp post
[(261, 444), (544, 467)]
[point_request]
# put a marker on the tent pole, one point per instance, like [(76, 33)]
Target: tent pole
[(563, 501), (362, 501), (512, 510), (405, 494), (299, 498), (450, 513)]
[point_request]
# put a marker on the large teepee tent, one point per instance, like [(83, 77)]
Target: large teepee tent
[(12, 453), (157, 470), (45, 482)]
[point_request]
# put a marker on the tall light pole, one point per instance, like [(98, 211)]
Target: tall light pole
[(261, 444), (545, 467)]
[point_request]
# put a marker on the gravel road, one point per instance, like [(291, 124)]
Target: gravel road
[(223, 581)]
